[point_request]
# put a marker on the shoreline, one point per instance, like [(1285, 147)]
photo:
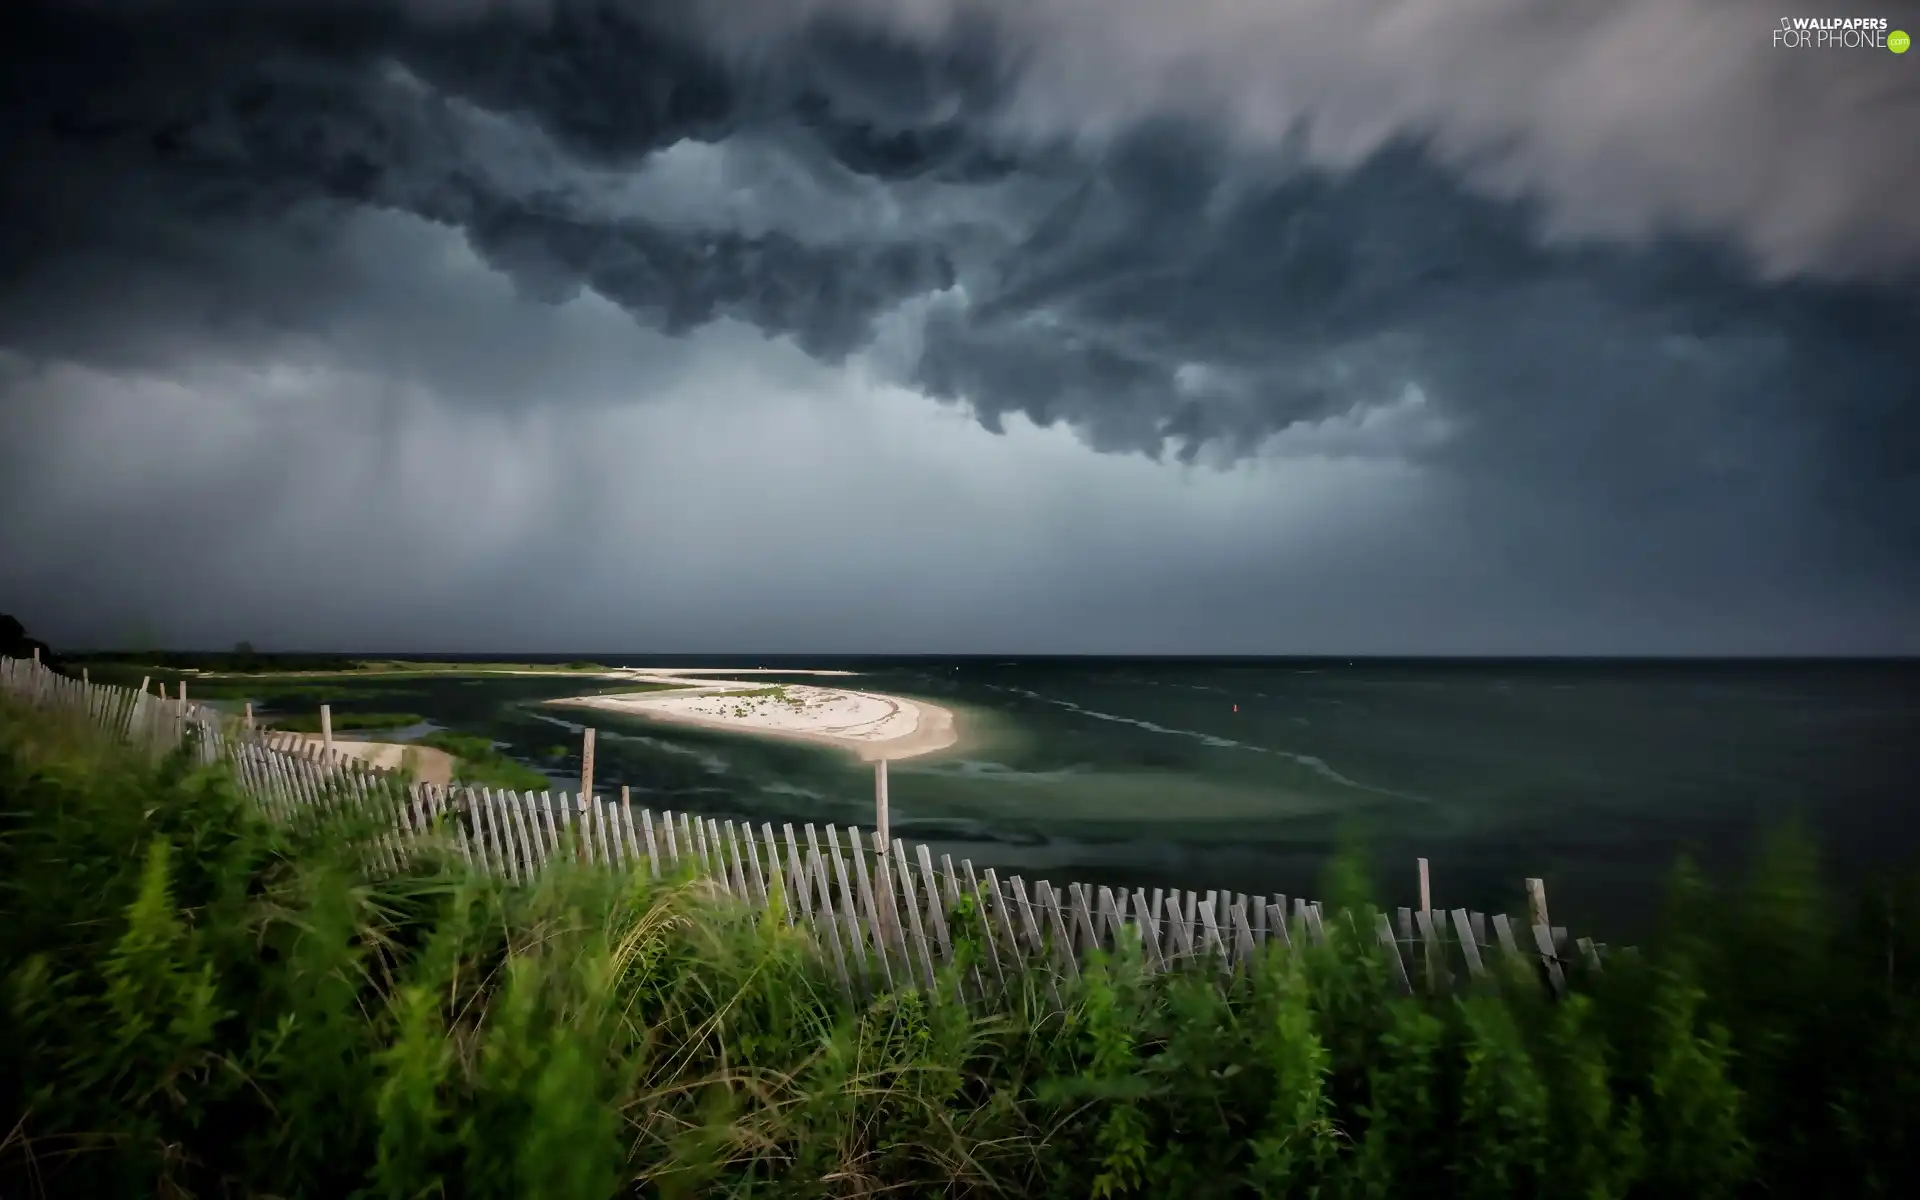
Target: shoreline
[(872, 725)]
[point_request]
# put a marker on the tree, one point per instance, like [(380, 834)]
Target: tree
[(14, 642)]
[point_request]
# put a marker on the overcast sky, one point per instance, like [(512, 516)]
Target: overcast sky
[(998, 326)]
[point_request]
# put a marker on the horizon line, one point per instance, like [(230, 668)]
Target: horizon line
[(789, 655)]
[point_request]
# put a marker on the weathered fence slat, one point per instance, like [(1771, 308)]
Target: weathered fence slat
[(936, 908), (1003, 916), (1316, 926), (629, 835), (699, 842), (666, 836), (738, 867), (849, 910), (1056, 925), (881, 949), (1543, 941), (1437, 977), (1030, 928), (1147, 921), (530, 857), (984, 920), (1503, 929), (1390, 945), (720, 870), (565, 810), (1469, 947), (1242, 934), (909, 894), (797, 876), (1080, 916), (828, 921), (608, 813), (1589, 954), (653, 848), (528, 814)]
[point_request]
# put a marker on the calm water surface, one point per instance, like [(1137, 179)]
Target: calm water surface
[(1242, 774)]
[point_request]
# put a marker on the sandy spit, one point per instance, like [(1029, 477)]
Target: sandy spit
[(872, 725)]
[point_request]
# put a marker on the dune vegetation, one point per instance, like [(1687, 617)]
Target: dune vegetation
[(477, 762), (341, 721), (203, 1003)]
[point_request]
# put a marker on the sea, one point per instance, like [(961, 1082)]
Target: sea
[(1247, 774)]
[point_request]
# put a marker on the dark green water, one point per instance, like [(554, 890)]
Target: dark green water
[(1593, 775)]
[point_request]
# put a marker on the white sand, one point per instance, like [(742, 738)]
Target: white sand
[(871, 725), (430, 765), (672, 672)]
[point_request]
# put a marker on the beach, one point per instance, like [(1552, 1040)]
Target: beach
[(871, 725)]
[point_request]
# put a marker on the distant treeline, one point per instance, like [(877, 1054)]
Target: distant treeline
[(241, 658), (14, 642)]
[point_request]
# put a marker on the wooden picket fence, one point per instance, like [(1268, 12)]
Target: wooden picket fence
[(884, 915)]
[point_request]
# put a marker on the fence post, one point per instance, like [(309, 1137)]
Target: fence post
[(880, 825), (586, 769), (1426, 911), (326, 727), (183, 691), (85, 678), (1537, 902), (249, 714), (36, 656)]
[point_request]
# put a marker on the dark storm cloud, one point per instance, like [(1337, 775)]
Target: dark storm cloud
[(1717, 367), (225, 113)]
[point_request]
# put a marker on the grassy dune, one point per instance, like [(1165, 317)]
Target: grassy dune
[(202, 1004)]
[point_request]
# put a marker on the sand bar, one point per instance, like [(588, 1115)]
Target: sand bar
[(871, 725)]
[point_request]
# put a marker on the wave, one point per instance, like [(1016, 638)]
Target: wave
[(778, 788), (1317, 765), (973, 768), (714, 764)]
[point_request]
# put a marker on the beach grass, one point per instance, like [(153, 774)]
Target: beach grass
[(206, 1004)]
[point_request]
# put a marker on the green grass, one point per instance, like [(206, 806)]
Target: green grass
[(203, 1004), (632, 688), (478, 764), (310, 722)]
